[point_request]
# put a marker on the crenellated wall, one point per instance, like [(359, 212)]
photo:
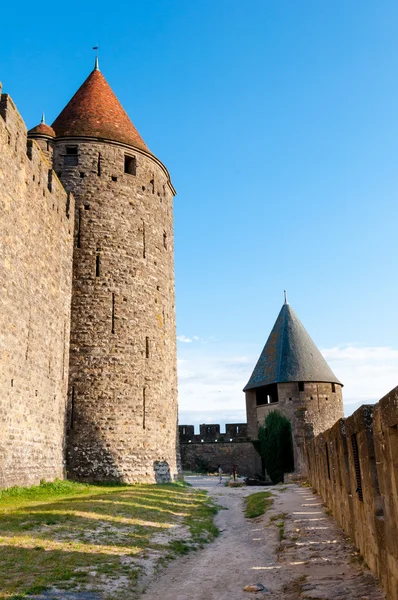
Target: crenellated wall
[(211, 447), (354, 466), (36, 224)]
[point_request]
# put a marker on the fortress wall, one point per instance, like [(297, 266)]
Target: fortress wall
[(35, 282), (354, 466), (211, 447), (208, 455), (123, 379)]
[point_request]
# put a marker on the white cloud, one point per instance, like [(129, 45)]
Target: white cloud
[(368, 372), (211, 379), (184, 339)]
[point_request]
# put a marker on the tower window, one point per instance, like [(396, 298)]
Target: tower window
[(147, 347), (301, 386), (165, 240), (130, 165), (71, 158), (333, 388)]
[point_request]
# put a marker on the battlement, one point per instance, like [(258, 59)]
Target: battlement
[(210, 433)]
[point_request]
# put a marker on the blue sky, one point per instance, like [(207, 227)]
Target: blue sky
[(279, 124)]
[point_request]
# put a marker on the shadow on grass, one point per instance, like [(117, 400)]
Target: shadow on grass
[(73, 541)]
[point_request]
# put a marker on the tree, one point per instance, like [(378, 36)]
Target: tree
[(276, 445)]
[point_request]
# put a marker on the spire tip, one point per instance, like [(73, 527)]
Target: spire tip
[(285, 294), (43, 120)]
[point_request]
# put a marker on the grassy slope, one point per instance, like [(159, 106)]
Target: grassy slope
[(73, 535)]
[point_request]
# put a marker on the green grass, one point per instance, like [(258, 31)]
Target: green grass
[(72, 535), (257, 504)]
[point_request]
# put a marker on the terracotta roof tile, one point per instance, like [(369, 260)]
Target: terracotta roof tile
[(42, 129), (95, 111)]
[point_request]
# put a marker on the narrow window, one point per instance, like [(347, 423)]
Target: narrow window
[(333, 388), (143, 240), (48, 146), (97, 263), (183, 431), (143, 406), (29, 150), (113, 312), (12, 383), (152, 182), (357, 466), (50, 180), (165, 240), (82, 175), (147, 347), (71, 158), (79, 225), (327, 459), (130, 165), (237, 429), (72, 409), (99, 164), (301, 386)]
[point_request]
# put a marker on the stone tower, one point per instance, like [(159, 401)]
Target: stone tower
[(122, 387), (292, 377)]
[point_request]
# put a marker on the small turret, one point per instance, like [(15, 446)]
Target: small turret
[(44, 136), (292, 376)]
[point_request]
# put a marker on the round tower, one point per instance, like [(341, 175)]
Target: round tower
[(123, 383), (44, 136), (292, 376)]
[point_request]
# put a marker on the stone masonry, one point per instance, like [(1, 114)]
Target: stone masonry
[(87, 292), (36, 224), (123, 382)]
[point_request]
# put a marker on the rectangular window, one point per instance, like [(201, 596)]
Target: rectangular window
[(301, 386), (333, 388), (130, 165), (71, 158), (147, 347)]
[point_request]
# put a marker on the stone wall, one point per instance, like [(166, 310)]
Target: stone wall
[(123, 380), (211, 447), (310, 410), (354, 466), (36, 224), (207, 455)]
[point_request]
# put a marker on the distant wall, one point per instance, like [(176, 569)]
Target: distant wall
[(36, 224), (354, 466), (211, 447)]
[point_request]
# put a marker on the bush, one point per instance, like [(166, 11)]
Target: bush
[(276, 446)]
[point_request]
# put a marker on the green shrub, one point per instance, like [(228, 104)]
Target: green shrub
[(276, 446)]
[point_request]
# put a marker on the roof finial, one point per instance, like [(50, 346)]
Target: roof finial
[(96, 67), (43, 120), (286, 302)]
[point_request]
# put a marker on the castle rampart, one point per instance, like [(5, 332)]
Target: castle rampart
[(36, 221), (211, 447), (353, 465)]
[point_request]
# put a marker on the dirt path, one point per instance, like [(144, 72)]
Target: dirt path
[(314, 560)]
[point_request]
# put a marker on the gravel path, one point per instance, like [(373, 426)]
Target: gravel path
[(314, 561)]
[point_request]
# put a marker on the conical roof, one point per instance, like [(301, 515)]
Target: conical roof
[(42, 129), (290, 355), (94, 111)]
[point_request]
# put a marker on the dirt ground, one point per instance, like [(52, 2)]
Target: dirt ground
[(314, 560)]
